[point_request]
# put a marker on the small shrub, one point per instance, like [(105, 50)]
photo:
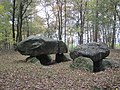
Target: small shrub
[(82, 63)]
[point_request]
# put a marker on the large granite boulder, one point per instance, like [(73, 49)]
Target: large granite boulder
[(82, 63), (95, 51), (109, 63), (41, 47), (36, 45)]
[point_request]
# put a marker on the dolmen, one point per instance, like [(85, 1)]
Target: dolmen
[(41, 47), (95, 51)]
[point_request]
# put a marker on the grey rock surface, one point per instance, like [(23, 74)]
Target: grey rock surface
[(95, 51), (36, 45), (83, 63), (109, 63)]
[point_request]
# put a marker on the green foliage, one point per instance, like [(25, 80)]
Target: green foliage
[(82, 63), (105, 9), (38, 26), (1, 9), (117, 45), (5, 16)]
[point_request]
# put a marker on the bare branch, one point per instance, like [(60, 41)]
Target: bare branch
[(26, 7)]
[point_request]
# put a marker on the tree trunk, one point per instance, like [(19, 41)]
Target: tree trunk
[(65, 21), (19, 23), (87, 32), (13, 21), (114, 32), (59, 21), (28, 31), (17, 36), (96, 23), (82, 12), (23, 5), (81, 24)]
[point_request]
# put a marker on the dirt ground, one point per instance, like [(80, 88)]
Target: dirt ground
[(16, 74)]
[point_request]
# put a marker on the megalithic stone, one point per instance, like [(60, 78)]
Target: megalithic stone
[(36, 46), (95, 51)]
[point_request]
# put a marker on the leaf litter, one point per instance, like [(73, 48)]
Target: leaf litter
[(16, 74)]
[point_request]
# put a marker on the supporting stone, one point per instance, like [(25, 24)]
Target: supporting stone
[(97, 66), (95, 51), (27, 59), (44, 59), (60, 57)]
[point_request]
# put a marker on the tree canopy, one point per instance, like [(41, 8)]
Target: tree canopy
[(73, 21)]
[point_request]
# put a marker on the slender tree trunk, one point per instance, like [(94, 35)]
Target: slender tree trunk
[(48, 24), (81, 24), (59, 23), (96, 24), (114, 32), (23, 5), (104, 33), (20, 22), (65, 21), (87, 32), (28, 31), (17, 36), (6, 40), (92, 33), (61, 19), (82, 12), (13, 21)]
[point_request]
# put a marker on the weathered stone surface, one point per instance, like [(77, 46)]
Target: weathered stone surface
[(36, 45), (109, 63), (95, 51), (61, 58), (44, 59), (82, 63), (32, 60)]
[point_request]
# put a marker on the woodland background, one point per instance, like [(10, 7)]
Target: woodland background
[(73, 21)]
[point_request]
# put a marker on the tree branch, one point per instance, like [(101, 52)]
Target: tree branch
[(26, 7)]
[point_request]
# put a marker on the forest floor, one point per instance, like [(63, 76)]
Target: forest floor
[(16, 74)]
